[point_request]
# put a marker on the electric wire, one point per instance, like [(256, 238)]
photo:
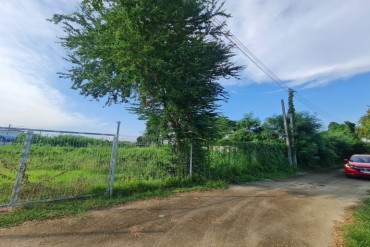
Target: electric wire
[(258, 63)]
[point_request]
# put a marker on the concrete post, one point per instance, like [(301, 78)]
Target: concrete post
[(21, 168), (113, 161)]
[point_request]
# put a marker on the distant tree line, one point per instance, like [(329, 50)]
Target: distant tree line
[(315, 145), (165, 59)]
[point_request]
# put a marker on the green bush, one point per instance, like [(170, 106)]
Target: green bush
[(239, 162), (357, 233)]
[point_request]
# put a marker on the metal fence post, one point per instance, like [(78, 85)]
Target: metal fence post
[(21, 168), (191, 161), (113, 161)]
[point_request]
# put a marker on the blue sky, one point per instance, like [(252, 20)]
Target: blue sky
[(319, 48)]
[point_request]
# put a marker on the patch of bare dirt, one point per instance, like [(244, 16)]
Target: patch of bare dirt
[(338, 234), (6, 210), (302, 211)]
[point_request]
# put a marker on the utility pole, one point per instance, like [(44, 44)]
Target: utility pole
[(294, 149), (291, 112), (287, 135)]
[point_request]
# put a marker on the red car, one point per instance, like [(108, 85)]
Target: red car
[(358, 165)]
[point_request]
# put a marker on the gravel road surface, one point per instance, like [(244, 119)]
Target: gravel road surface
[(299, 211)]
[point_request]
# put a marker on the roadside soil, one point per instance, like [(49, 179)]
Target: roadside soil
[(299, 211)]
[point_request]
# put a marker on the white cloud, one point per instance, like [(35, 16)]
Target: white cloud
[(306, 43), (29, 58)]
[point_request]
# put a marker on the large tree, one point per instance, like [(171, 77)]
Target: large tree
[(312, 150), (164, 57), (347, 129), (247, 129), (363, 129), (343, 139)]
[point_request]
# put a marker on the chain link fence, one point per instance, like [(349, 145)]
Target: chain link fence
[(41, 165), (237, 162), (142, 159), (46, 165)]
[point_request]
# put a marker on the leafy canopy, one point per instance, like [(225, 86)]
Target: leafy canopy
[(163, 57), (363, 130), (247, 129)]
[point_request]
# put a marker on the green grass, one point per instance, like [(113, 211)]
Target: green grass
[(55, 171), (123, 194), (246, 162), (59, 171), (357, 233)]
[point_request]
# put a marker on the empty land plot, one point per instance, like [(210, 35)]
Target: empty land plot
[(300, 211)]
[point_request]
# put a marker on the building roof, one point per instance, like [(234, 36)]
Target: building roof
[(8, 135)]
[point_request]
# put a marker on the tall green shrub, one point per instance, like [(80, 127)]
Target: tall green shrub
[(245, 161)]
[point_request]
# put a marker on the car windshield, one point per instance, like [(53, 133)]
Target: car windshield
[(360, 159)]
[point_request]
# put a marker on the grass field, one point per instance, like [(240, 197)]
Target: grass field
[(357, 233), (131, 191), (65, 171), (76, 168), (250, 161), (69, 167)]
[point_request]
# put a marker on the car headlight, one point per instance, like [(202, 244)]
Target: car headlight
[(350, 166)]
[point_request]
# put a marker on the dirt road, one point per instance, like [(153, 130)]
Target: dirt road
[(298, 211)]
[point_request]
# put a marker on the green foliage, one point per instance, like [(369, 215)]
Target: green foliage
[(315, 148), (357, 233), (165, 56), (308, 143), (291, 109), (363, 130), (247, 129), (54, 171), (247, 161), (273, 129), (131, 191), (312, 150), (225, 127), (343, 140), (151, 162), (346, 129), (62, 140), (63, 171), (60, 171)]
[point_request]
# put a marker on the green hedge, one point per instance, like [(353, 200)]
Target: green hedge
[(239, 162)]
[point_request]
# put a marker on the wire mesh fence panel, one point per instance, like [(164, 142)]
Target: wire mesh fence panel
[(146, 159), (11, 145), (64, 165), (234, 162)]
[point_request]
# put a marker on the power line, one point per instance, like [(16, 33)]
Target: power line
[(256, 61)]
